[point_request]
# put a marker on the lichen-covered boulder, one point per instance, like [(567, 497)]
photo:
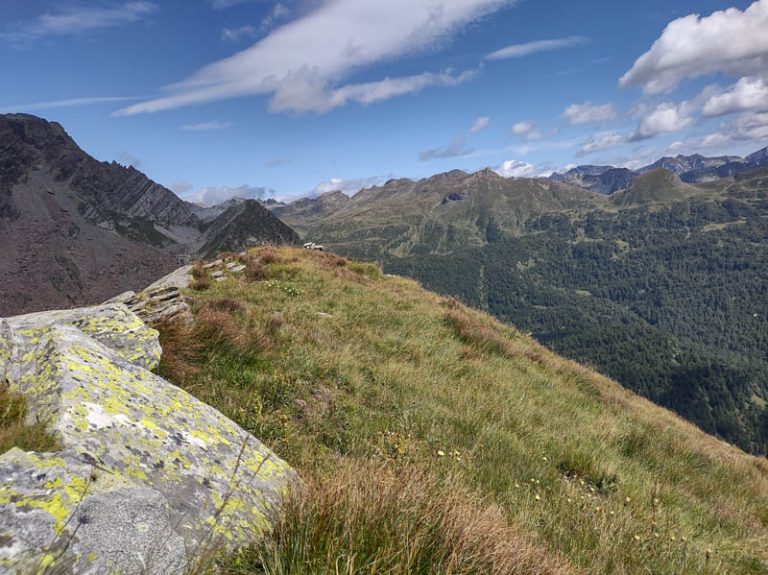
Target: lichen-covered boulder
[(147, 477)]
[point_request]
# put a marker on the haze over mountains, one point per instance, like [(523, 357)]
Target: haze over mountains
[(75, 230)]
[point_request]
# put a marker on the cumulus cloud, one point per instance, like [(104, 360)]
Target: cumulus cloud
[(600, 142), (749, 93), (520, 169), (587, 113), (731, 42), (746, 128), (663, 119), (207, 126), (348, 186), (302, 65), (480, 124), (455, 149), (520, 50), (752, 127), (526, 130), (213, 195), (77, 19)]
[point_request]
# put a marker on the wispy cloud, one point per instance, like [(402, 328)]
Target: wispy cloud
[(71, 103), (224, 4), (526, 130), (455, 149), (279, 13), (207, 126), (302, 71), (588, 112), (237, 34), (77, 19), (480, 124), (601, 142), (520, 50)]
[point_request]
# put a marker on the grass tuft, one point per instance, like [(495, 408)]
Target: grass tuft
[(374, 518), (15, 432)]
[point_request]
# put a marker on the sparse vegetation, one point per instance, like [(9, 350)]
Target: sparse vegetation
[(416, 422), (15, 432)]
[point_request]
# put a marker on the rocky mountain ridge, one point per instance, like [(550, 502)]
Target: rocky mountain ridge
[(75, 230), (691, 169)]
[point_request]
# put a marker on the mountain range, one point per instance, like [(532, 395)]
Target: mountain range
[(660, 284), (75, 230), (691, 169), (656, 277)]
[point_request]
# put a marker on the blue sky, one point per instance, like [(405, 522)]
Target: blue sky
[(221, 97)]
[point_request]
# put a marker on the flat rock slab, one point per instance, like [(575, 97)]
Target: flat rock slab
[(148, 477)]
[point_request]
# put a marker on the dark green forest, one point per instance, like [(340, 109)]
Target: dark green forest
[(670, 300)]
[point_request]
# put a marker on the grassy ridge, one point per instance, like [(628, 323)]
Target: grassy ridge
[(364, 382)]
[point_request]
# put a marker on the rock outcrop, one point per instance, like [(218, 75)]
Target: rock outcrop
[(146, 478)]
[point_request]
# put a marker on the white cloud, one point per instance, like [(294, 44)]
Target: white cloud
[(752, 126), (747, 94), (480, 124), (213, 195), (745, 129), (519, 169), (520, 50), (207, 126), (348, 186), (301, 94), (71, 103), (279, 13), (237, 34), (588, 112), (526, 130), (663, 119), (731, 41), (182, 187), (302, 64), (600, 142), (455, 149), (78, 19)]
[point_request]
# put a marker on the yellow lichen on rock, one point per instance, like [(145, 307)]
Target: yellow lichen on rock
[(130, 440)]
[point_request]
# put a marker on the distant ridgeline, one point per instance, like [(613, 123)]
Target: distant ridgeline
[(661, 285)]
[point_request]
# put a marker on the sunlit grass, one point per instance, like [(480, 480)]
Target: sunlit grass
[(337, 367)]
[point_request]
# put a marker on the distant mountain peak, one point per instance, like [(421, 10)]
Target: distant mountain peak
[(77, 231)]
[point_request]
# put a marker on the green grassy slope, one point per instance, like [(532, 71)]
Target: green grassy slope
[(441, 214), (434, 439)]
